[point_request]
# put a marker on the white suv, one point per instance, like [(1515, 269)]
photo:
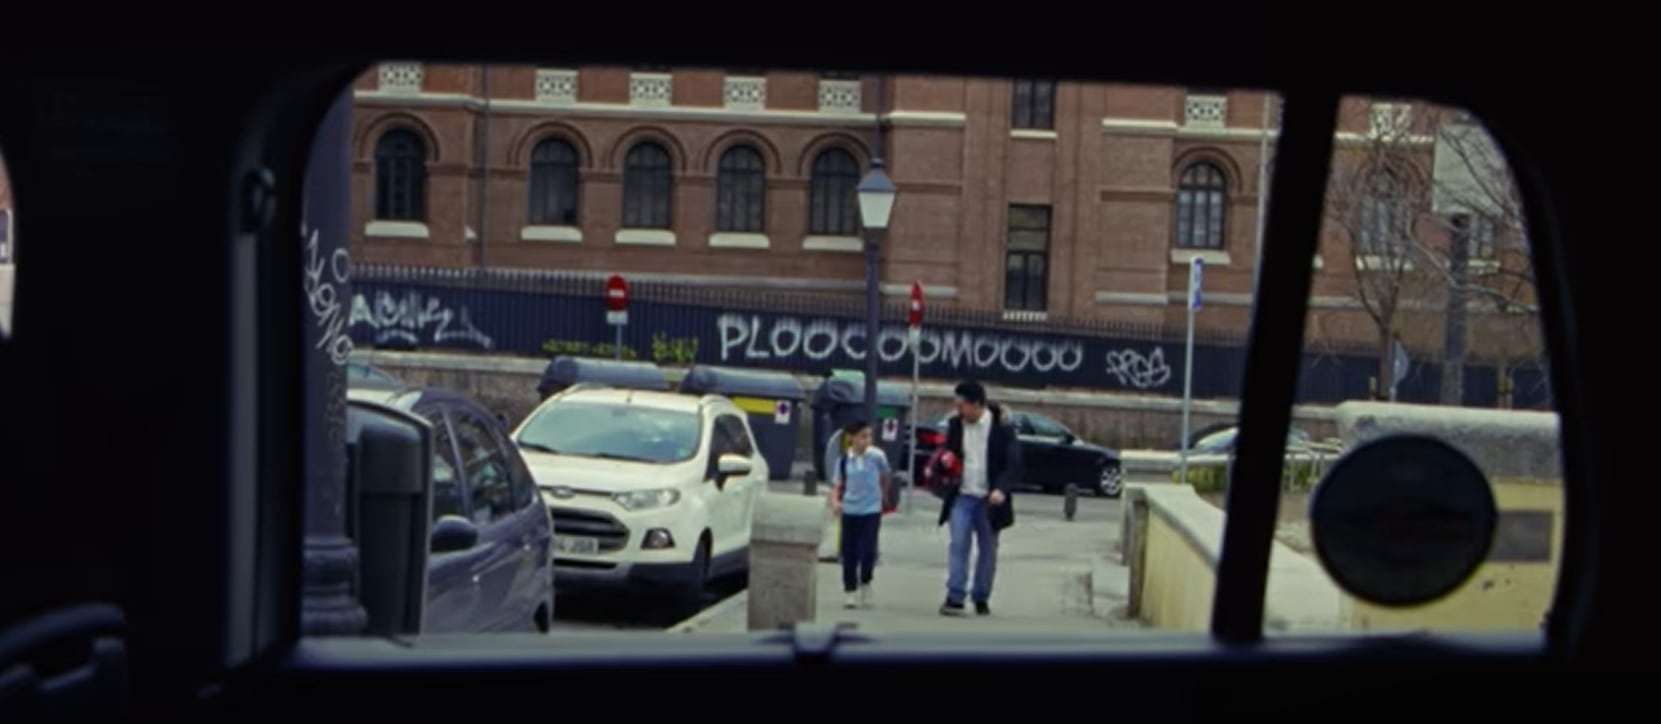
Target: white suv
[(651, 492)]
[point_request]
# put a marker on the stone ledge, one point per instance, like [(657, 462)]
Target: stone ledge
[(1504, 443), (1300, 595)]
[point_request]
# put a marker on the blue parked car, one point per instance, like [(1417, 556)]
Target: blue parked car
[(490, 568)]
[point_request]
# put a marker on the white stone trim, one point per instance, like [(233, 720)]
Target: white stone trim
[(1376, 262), (839, 96), (745, 92), (646, 237), (652, 90), (737, 240), (1146, 127), (469, 234), (1205, 111), (1025, 316), (1210, 257), (1032, 134), (842, 244), (397, 229), (668, 113), (400, 77), (556, 86), (1146, 299), (930, 291), (567, 234)]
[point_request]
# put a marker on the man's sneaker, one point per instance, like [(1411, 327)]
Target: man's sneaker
[(951, 609), (982, 609), (850, 600), (867, 597)]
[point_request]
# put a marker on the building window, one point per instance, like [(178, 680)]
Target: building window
[(1386, 218), (647, 187), (400, 176), (1202, 199), (1027, 262), (741, 191), (1477, 232), (553, 184), (833, 206), (1034, 105)]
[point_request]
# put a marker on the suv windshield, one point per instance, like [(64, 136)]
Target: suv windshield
[(607, 430)]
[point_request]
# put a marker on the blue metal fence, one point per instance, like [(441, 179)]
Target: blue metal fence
[(545, 314)]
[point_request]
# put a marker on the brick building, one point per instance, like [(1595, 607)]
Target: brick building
[(1032, 197)]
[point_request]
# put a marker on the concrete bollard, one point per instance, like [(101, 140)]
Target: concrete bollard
[(784, 578)]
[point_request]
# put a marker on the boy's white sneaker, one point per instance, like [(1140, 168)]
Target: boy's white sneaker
[(867, 596), (850, 600)]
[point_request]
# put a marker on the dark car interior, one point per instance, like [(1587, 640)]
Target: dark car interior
[(159, 576)]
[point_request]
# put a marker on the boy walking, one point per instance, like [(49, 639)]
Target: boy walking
[(862, 479)]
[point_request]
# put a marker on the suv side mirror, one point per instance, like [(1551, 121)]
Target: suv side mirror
[(454, 533), (730, 466)]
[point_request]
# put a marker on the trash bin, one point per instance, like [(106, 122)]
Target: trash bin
[(840, 401), (772, 400), (565, 371)]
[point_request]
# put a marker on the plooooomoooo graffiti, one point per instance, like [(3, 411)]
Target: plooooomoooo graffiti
[(425, 308)]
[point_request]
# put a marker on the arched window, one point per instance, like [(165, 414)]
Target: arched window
[(400, 176), (647, 187), (741, 191), (833, 206), (1202, 203), (553, 184)]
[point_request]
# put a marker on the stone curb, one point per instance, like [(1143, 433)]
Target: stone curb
[(721, 608)]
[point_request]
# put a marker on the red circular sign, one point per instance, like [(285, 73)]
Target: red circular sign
[(916, 304), (617, 294)]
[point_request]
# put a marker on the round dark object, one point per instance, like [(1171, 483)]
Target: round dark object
[(1403, 520)]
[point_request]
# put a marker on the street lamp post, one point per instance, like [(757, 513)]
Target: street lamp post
[(876, 204)]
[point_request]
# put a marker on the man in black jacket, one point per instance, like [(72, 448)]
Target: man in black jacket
[(979, 505)]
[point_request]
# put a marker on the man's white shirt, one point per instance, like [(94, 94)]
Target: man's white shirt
[(975, 438)]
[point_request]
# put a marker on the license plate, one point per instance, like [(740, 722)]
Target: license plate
[(576, 546)]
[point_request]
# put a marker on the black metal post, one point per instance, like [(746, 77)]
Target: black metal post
[(328, 604), (873, 322), (873, 281)]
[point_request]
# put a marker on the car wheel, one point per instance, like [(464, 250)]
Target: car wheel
[(692, 596), (1112, 482)]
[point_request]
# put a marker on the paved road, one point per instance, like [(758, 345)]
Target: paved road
[(1095, 527)]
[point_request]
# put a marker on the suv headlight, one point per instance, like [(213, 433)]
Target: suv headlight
[(647, 499)]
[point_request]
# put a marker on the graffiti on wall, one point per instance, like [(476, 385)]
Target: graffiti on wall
[(321, 275), (416, 319), (1142, 371)]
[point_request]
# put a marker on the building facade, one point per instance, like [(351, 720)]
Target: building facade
[(1037, 199)]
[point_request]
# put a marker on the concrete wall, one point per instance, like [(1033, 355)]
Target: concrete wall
[(508, 386), (1174, 541), (1519, 451)]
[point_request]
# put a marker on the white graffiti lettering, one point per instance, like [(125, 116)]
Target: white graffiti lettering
[(748, 337), (404, 319), (320, 277), (1134, 369)]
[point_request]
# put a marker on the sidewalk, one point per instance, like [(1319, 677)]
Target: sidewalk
[(1052, 577)]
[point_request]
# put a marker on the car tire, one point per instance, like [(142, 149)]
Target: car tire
[(691, 598), (1111, 484)]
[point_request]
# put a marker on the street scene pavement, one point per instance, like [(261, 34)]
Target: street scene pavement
[(1051, 573)]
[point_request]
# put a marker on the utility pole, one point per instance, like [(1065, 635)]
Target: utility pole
[(1262, 190)]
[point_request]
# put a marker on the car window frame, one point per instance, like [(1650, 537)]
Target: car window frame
[(1034, 418), (444, 444), (507, 468)]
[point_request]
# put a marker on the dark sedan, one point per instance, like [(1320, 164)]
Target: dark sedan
[(1052, 456)]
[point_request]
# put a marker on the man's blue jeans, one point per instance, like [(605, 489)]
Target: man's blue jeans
[(970, 517)]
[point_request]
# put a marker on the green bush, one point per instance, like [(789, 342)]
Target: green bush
[(1297, 476)]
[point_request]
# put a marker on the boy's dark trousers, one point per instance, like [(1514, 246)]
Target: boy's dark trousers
[(859, 549)]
